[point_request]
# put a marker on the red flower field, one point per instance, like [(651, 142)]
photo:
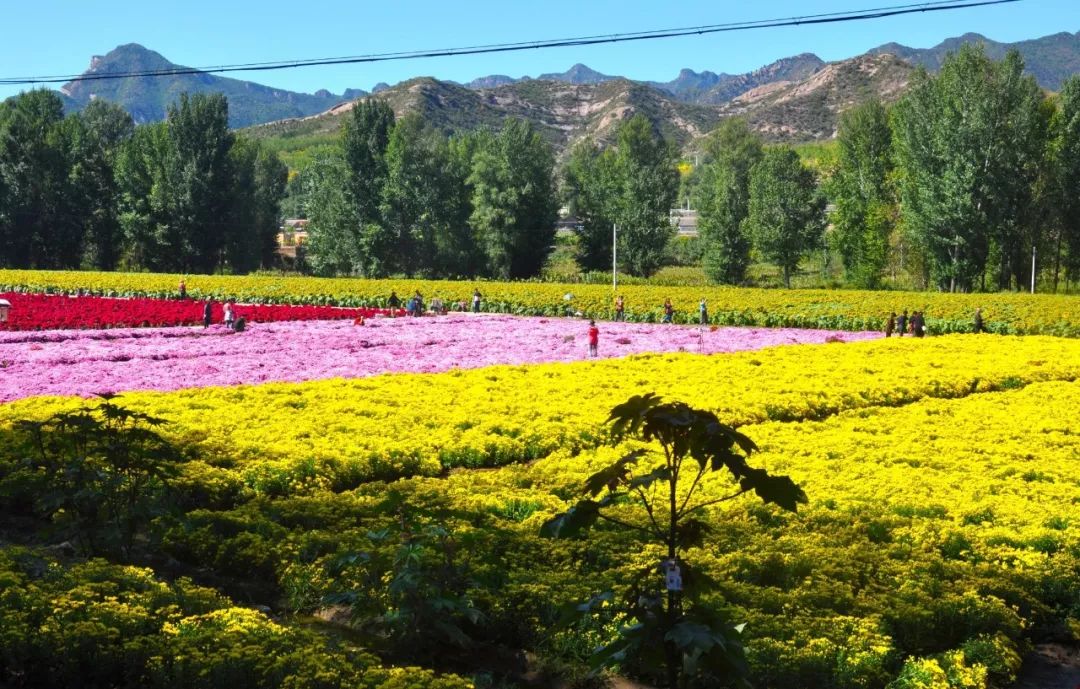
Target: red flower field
[(53, 312)]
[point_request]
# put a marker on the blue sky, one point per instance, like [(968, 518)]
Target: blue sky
[(54, 37)]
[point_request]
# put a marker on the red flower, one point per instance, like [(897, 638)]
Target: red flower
[(57, 312)]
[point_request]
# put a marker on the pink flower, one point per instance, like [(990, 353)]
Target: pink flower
[(87, 362)]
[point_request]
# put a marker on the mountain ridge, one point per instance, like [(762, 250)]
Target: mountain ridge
[(147, 98), (692, 98)]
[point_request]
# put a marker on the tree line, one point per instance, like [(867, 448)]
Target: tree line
[(92, 190), (400, 197), (959, 183)]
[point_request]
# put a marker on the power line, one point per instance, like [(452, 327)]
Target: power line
[(829, 18)]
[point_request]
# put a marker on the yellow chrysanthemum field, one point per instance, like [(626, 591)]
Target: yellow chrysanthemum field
[(940, 540)]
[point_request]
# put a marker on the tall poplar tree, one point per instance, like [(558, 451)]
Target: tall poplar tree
[(199, 177), (41, 230), (786, 211), (633, 186), (514, 201), (590, 186), (970, 143), (861, 188), (648, 184), (722, 198), (1068, 156), (99, 133)]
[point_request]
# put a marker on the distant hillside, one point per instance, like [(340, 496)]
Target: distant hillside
[(564, 105), (705, 88), (148, 98), (720, 88), (563, 113), (800, 109), (809, 109), (1050, 59)]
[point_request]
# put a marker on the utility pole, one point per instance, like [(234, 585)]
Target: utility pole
[(1033, 268), (614, 264)]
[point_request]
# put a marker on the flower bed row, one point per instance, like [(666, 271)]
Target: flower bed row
[(50, 312), (1006, 313), (291, 437), (89, 362), (939, 535)]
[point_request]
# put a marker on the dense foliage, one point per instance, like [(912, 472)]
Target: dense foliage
[(101, 626), (631, 186), (862, 185), (91, 190), (401, 198), (786, 212), (970, 146), (723, 198), (956, 187)]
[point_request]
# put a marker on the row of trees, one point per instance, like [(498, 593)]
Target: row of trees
[(401, 197), (92, 190), (749, 196), (972, 172), (968, 175)]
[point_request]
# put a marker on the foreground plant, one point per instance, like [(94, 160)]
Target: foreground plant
[(100, 473), (666, 624)]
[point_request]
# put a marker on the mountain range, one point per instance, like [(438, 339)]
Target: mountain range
[(795, 98), (147, 98)]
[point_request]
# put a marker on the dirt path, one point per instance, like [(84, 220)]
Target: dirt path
[(1050, 666)]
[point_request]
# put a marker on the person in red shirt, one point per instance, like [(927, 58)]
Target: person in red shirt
[(594, 338)]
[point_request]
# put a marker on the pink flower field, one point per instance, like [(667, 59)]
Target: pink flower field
[(95, 361)]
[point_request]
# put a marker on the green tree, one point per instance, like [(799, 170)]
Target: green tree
[(256, 189), (632, 186), (665, 623), (861, 188), (722, 197), (336, 240), (514, 201), (459, 252), (1068, 156), (99, 133), (344, 199), (200, 174), (41, 229), (786, 213), (365, 137), (421, 202), (969, 146), (150, 239), (648, 183), (590, 185), (271, 177)]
